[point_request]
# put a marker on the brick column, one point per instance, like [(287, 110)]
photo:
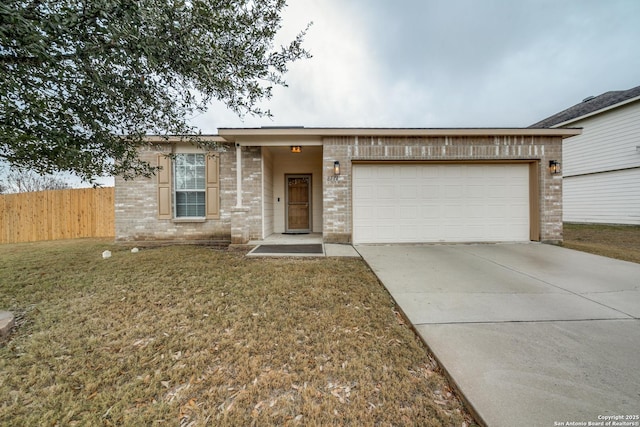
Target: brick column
[(239, 225), (336, 215)]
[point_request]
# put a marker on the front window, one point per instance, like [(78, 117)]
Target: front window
[(190, 176)]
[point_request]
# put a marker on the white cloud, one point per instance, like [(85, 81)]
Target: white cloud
[(459, 63), (453, 63), (340, 86)]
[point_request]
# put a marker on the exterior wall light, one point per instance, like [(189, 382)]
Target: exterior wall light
[(336, 168), (296, 149), (554, 167)]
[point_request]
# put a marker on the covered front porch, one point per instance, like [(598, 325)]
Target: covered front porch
[(278, 188), (292, 189)]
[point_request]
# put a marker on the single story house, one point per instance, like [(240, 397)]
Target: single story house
[(601, 167), (353, 185)]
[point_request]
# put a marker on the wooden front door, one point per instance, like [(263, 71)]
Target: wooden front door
[(298, 203)]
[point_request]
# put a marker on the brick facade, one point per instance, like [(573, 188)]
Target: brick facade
[(136, 201), (337, 194), (136, 204), (252, 190)]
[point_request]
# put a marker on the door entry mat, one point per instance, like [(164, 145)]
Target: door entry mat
[(288, 249)]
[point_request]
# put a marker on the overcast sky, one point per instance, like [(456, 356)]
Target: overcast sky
[(448, 63)]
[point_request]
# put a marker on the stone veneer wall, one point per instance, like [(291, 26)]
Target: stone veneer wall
[(136, 203), (337, 215)]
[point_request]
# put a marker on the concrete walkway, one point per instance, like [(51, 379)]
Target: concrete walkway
[(532, 334), (329, 249)]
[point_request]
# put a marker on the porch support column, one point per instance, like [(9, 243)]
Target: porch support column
[(239, 223), (238, 176)]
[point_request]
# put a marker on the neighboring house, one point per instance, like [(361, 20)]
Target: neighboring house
[(353, 185), (601, 167)]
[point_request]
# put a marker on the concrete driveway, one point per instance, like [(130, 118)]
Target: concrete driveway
[(532, 334)]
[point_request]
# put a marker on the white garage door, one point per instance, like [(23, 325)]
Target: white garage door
[(440, 203)]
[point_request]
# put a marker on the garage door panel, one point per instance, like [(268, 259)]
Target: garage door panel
[(475, 191), (429, 191), (384, 173), (476, 212), (366, 191), (453, 191), (368, 173), (411, 213), (385, 232), (452, 212), (520, 211), (435, 172), (408, 192), (408, 172), (451, 171), (387, 213), (433, 203), (386, 192), (430, 212)]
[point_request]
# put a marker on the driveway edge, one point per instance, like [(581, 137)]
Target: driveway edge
[(458, 392)]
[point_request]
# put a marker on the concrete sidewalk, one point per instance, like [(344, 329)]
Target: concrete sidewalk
[(532, 334)]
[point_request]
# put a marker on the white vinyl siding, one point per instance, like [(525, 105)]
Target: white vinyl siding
[(440, 203), (608, 142), (601, 168), (608, 198)]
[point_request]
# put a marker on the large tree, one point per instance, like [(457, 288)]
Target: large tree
[(23, 181), (82, 82)]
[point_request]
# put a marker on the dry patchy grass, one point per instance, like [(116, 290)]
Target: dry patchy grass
[(192, 336), (614, 241)]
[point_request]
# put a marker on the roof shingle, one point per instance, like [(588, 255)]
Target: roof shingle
[(589, 105)]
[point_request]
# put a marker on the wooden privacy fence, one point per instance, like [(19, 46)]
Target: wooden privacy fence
[(57, 214)]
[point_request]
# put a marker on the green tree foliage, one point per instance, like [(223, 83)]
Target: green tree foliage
[(82, 82)]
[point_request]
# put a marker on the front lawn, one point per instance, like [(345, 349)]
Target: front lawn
[(192, 336), (614, 241)]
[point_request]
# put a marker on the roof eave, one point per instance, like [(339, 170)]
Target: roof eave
[(183, 138), (596, 112), (230, 134)]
